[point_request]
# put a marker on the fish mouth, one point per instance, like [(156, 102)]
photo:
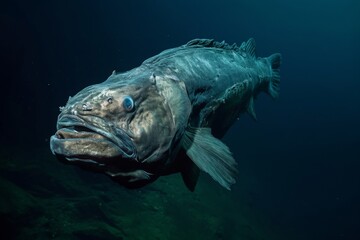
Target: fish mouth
[(90, 141)]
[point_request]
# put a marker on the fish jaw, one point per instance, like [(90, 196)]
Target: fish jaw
[(80, 143), (80, 134), (95, 152)]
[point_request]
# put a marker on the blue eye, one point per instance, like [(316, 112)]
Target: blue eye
[(128, 103)]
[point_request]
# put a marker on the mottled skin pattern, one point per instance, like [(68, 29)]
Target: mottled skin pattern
[(201, 84), (208, 72)]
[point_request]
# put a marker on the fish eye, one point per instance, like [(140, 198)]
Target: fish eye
[(128, 103)]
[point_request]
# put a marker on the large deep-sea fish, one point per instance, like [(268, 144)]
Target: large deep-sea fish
[(167, 115)]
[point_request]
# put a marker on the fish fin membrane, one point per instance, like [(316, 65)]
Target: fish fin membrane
[(274, 85), (247, 47), (251, 109), (190, 174), (211, 155)]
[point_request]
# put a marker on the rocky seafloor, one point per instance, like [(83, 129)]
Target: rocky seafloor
[(41, 198)]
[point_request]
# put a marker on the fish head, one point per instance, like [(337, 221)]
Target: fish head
[(124, 127)]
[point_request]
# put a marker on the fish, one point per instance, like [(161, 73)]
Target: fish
[(167, 115)]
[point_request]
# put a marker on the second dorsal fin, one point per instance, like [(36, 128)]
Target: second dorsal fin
[(246, 48)]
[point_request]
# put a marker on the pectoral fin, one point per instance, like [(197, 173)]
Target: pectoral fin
[(211, 155)]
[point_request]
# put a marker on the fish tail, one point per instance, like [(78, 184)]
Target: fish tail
[(274, 84)]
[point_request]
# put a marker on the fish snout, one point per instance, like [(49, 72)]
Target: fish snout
[(96, 106), (87, 107), (81, 108), (75, 109)]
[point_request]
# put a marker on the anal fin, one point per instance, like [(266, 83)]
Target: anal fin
[(250, 108)]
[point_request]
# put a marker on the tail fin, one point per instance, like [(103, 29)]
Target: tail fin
[(274, 85)]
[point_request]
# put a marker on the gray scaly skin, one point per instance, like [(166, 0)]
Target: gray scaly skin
[(166, 115)]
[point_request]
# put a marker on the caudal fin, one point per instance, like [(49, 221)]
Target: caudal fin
[(274, 84)]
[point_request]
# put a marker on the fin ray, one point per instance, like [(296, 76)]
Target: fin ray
[(211, 155), (251, 109), (274, 85), (247, 47)]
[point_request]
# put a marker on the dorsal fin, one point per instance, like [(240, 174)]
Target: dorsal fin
[(247, 48)]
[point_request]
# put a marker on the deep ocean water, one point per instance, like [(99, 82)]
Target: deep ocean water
[(298, 164)]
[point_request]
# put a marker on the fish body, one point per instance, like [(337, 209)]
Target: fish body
[(167, 115)]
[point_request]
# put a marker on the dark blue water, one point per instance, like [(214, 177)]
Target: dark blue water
[(302, 154)]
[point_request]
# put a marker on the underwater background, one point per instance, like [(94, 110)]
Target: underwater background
[(299, 164)]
